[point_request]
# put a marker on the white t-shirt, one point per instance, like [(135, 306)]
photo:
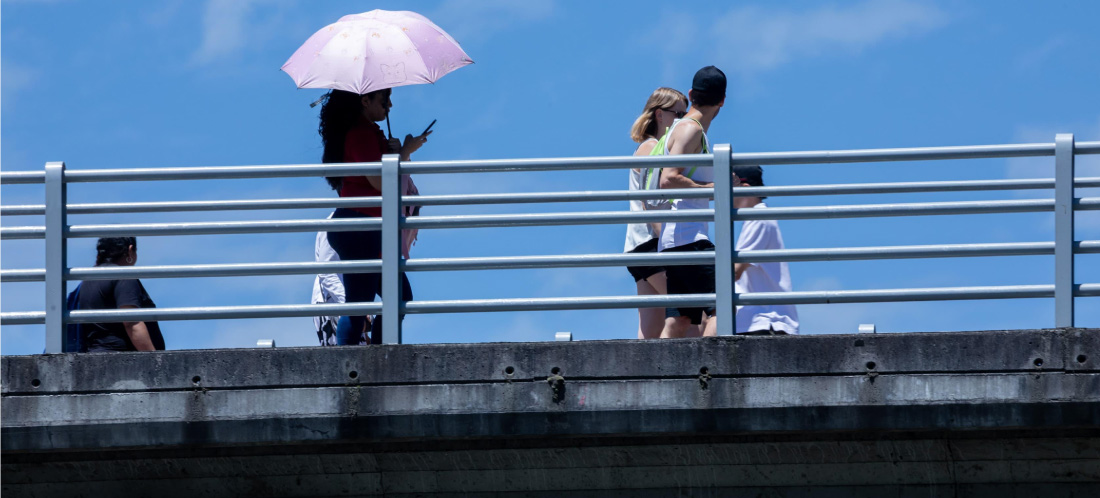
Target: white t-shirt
[(640, 233), (327, 288), (683, 233), (764, 277)]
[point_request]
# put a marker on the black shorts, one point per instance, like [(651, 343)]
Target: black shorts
[(643, 272), (695, 279)]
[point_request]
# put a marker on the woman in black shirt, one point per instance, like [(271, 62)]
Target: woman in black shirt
[(118, 294)]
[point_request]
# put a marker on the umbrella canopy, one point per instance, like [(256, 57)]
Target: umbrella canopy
[(379, 49)]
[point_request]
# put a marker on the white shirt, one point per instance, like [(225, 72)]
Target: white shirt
[(764, 277), (640, 233), (328, 287), (683, 233)]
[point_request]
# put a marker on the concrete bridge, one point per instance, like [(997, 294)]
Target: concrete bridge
[(937, 414)]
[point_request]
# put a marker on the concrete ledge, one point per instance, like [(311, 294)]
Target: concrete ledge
[(994, 351), (857, 414)]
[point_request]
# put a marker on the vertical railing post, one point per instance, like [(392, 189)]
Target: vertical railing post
[(56, 224), (723, 239), (1063, 230), (391, 249)]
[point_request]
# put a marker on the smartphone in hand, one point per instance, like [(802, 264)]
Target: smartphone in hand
[(429, 128)]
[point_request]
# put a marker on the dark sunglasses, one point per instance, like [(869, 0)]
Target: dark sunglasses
[(678, 115)]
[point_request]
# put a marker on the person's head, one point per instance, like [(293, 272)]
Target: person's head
[(340, 112), (376, 104), (749, 176), (121, 251), (661, 109), (708, 90)]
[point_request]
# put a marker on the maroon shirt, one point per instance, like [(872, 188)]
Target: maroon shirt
[(363, 144)]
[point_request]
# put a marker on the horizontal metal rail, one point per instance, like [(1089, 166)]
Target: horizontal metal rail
[(23, 318), (352, 224), (22, 233), (551, 304), (335, 202), (556, 261), (547, 197), (897, 295), (188, 206), (305, 310), (23, 275), (222, 172), (910, 187), (549, 219), (909, 209), (762, 158), (902, 154), (785, 213), (578, 163), (1081, 148), (224, 270), (22, 177), (556, 164), (216, 312), (224, 227), (910, 295)]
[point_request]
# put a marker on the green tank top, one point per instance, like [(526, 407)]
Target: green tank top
[(659, 150)]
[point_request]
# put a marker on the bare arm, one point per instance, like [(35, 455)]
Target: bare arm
[(685, 139), (739, 269), (139, 334), (643, 150)]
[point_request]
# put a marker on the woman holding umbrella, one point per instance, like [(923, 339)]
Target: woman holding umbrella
[(361, 57), (350, 135)]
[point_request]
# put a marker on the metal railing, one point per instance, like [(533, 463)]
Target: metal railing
[(57, 231)]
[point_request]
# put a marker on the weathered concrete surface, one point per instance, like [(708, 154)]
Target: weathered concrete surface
[(977, 413)]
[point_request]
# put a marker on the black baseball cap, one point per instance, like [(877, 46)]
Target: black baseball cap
[(752, 175), (709, 85)]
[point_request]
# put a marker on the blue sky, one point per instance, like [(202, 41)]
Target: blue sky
[(186, 83)]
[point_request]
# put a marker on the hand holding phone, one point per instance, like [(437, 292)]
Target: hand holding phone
[(429, 128)]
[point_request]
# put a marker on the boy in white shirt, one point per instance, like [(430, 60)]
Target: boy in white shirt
[(778, 319)]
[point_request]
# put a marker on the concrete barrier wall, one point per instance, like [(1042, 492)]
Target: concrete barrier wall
[(844, 412)]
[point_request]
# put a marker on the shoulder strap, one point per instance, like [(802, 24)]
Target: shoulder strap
[(658, 150)]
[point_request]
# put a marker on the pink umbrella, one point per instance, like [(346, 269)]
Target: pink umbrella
[(379, 49)]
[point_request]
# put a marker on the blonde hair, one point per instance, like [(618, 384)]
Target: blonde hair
[(646, 126)]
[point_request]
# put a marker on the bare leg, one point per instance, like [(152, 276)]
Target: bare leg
[(676, 327), (696, 330), (710, 326), (651, 320)]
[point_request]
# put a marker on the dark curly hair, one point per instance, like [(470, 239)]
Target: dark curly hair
[(339, 113), (111, 249)]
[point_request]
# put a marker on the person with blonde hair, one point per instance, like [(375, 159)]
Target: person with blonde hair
[(663, 107)]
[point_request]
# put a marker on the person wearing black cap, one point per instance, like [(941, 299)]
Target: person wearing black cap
[(689, 136), (776, 319)]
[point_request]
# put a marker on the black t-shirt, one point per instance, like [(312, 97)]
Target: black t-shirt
[(109, 295)]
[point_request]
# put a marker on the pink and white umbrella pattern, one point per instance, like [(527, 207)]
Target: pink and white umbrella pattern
[(379, 49)]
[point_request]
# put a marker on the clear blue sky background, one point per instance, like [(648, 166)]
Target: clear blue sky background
[(127, 84)]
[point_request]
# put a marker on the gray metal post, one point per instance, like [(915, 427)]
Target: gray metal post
[(55, 256), (391, 249), (723, 240), (1063, 230)]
